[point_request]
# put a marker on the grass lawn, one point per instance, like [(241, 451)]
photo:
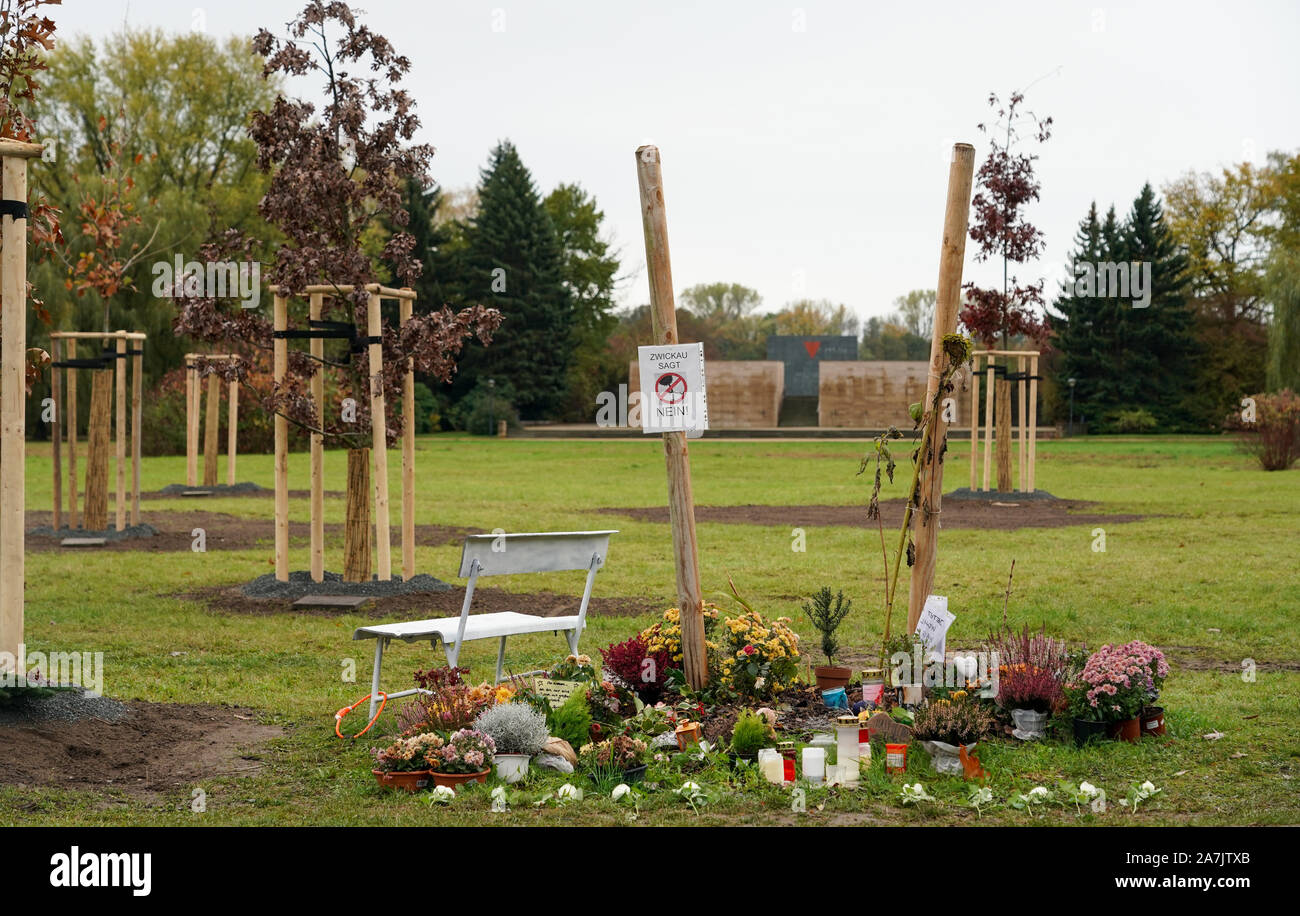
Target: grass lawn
[(1211, 575)]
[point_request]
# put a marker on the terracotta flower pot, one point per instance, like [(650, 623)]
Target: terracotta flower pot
[(1126, 730), (1153, 721), (831, 676), (410, 780), (456, 780)]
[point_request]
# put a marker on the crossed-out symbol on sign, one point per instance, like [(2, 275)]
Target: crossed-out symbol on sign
[(670, 388)]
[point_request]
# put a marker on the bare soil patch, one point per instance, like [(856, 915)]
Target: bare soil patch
[(1002, 515), (232, 600), (223, 532), (154, 749)]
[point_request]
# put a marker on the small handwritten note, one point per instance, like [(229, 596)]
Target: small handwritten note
[(556, 693), (933, 625)]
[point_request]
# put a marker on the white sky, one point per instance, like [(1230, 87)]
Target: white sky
[(818, 153)]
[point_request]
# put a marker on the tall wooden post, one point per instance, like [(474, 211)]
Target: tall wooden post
[(212, 427), (317, 345), (280, 322), (13, 407), (119, 425), (1020, 422), (930, 486), (681, 503), (70, 376), (1033, 418), (56, 435), (974, 420), (232, 430), (379, 438), (408, 456), (137, 425), (191, 425), (1002, 410), (988, 421)]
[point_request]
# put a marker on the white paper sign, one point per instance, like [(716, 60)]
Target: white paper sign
[(934, 623), (673, 397)]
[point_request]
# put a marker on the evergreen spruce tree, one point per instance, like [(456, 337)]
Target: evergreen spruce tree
[(512, 262)]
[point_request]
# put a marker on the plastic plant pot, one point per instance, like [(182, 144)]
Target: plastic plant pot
[(512, 767), (836, 698), (1153, 721), (1030, 724), (1086, 730), (1125, 730), (634, 774)]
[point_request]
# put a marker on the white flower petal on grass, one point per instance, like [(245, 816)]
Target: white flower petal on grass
[(1088, 789), (620, 790)]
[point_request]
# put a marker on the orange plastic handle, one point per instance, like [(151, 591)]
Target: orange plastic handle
[(338, 716)]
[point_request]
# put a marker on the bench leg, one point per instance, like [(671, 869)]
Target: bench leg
[(501, 659), (572, 636), (374, 677), (452, 651)]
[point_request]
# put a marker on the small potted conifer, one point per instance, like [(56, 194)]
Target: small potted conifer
[(826, 612)]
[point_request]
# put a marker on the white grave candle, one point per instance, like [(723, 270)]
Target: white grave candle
[(814, 765)]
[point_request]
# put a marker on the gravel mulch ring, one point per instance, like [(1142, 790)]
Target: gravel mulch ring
[(112, 535), (415, 606), (73, 705), (173, 490), (1008, 514), (148, 750), (300, 583), (172, 531)]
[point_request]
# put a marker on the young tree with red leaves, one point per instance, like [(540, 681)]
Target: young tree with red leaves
[(25, 38), (1006, 184), (335, 175)]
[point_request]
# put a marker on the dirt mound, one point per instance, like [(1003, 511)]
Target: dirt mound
[(173, 531), (1006, 514), (151, 750), (232, 600)]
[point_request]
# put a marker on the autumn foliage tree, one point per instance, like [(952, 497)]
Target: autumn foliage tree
[(25, 38), (1006, 185), (336, 174)]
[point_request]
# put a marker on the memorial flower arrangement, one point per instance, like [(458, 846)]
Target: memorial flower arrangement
[(466, 751), (1032, 670), (450, 704), (666, 635), (757, 657)]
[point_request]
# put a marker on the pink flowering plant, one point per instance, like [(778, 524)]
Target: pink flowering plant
[(409, 754), (1117, 681), (466, 751)]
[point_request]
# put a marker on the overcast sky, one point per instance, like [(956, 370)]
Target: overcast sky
[(805, 145)]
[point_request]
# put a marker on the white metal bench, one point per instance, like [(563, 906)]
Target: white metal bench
[(499, 555)]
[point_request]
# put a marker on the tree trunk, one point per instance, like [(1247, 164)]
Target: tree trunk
[(95, 517), (356, 530), (1003, 413), (210, 431)]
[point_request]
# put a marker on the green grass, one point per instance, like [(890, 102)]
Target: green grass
[(1210, 574)]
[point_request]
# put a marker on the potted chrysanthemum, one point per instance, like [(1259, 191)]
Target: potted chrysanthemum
[(1116, 681), (405, 763), (465, 757)]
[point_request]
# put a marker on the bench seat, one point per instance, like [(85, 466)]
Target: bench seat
[(477, 626)]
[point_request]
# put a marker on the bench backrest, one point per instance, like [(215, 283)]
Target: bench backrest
[(547, 551)]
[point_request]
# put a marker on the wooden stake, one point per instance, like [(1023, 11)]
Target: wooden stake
[(13, 419), (70, 376), (317, 448), (119, 427), (232, 430), (1033, 419), (681, 502), (191, 427), (379, 437), (974, 419), (952, 253), (56, 435), (137, 426), (1020, 422), (280, 322), (212, 427), (988, 422), (101, 414), (408, 455)]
